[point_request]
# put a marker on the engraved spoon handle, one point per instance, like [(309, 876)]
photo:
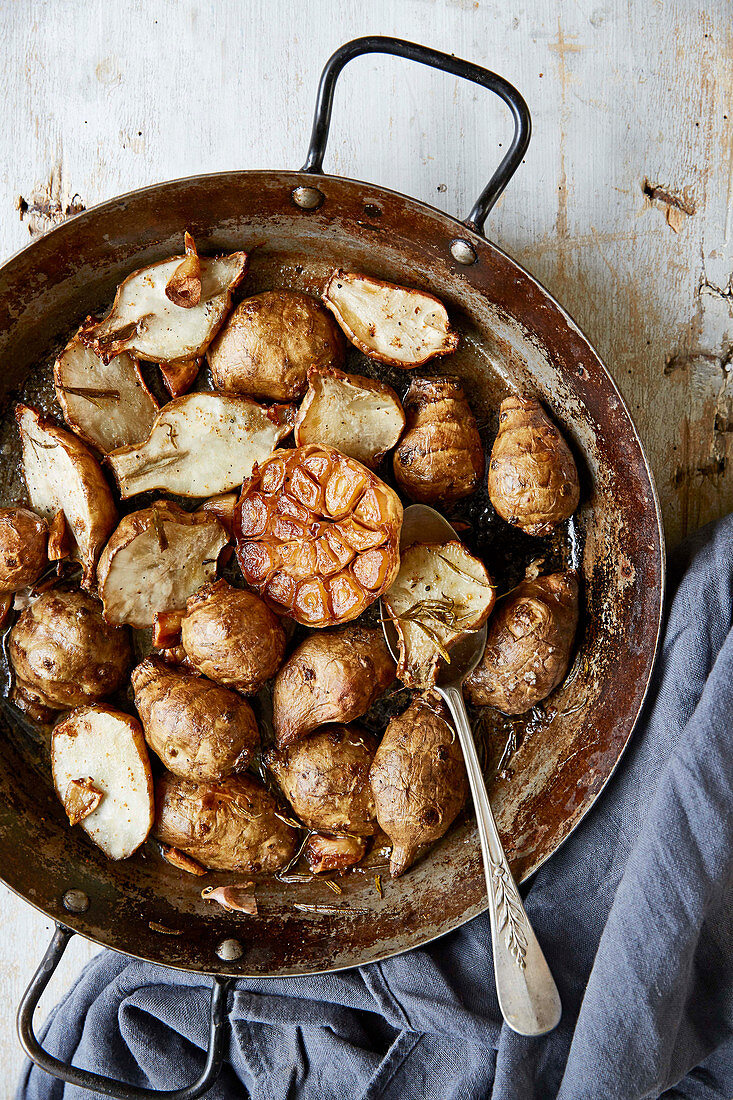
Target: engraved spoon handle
[(528, 996)]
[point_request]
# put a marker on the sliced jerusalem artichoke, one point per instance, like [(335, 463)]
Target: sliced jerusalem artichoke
[(62, 475), (333, 853), (145, 322), (102, 775), (155, 559), (441, 593), (23, 548), (333, 676), (200, 445), (106, 402), (418, 780), (233, 825), (198, 729), (358, 416), (394, 324)]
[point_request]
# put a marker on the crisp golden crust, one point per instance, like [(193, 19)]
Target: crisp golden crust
[(419, 781), (528, 645), (440, 458), (63, 652), (231, 636), (318, 535), (270, 341), (199, 730), (23, 548), (533, 479), (228, 826), (333, 676), (325, 778)]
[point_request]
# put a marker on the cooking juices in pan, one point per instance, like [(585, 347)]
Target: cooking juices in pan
[(507, 552)]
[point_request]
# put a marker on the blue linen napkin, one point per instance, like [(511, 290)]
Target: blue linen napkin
[(634, 914)]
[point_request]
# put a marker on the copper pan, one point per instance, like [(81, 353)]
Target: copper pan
[(298, 226)]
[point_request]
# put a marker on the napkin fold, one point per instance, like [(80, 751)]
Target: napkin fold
[(634, 914)]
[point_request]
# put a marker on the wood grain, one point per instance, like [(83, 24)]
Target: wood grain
[(623, 207)]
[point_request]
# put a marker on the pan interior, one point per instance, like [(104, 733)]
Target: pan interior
[(514, 338)]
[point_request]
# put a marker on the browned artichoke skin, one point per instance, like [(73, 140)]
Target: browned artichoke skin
[(440, 456), (270, 341), (325, 778), (533, 480), (200, 730), (23, 540), (333, 676), (419, 781), (226, 826), (528, 646), (231, 636), (63, 652), (333, 853)]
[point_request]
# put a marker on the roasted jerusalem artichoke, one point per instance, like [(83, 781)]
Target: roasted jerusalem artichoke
[(333, 676), (333, 853), (227, 826), (440, 457), (23, 546), (64, 654), (533, 479), (418, 779), (528, 645), (270, 341), (325, 778), (199, 730), (232, 637)]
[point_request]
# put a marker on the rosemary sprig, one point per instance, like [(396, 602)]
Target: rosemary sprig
[(90, 394), (333, 886), (327, 910), (462, 572)]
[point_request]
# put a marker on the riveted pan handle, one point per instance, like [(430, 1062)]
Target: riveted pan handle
[(95, 1082), (425, 56)]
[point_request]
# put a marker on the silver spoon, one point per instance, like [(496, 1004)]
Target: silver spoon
[(528, 996)]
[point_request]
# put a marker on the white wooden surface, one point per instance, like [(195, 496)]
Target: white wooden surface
[(99, 98)]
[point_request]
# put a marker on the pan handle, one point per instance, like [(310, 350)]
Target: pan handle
[(425, 56), (95, 1082)]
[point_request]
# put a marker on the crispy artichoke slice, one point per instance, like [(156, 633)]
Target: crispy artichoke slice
[(440, 594), (105, 401), (63, 476), (394, 324), (201, 444), (155, 560), (144, 321)]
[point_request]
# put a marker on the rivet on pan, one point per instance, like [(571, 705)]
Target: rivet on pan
[(229, 950), (307, 198), (75, 901), (463, 251)]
